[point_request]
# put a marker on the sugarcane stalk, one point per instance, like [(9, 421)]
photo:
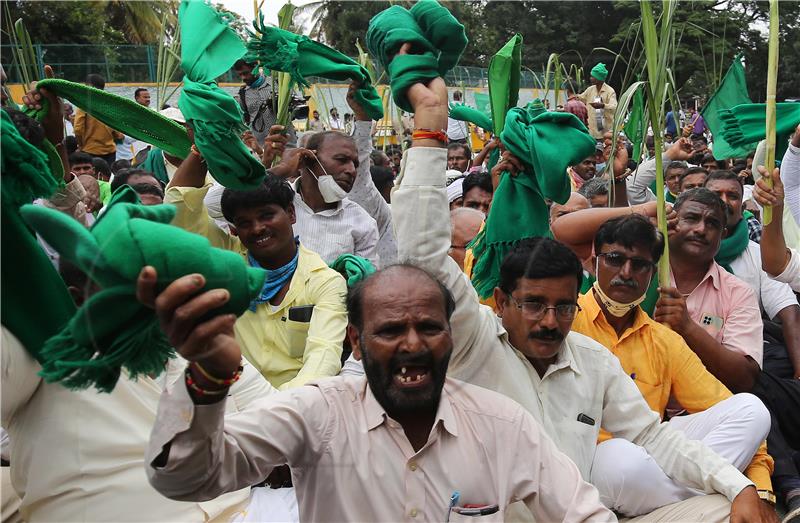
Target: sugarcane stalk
[(772, 84)]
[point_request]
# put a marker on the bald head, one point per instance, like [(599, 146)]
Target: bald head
[(465, 223), (576, 202)]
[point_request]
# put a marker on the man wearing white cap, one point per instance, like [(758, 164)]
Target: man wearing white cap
[(455, 192)]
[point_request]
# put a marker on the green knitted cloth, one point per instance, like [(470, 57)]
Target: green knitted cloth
[(745, 125), (300, 56), (546, 143), (353, 268), (121, 114), (35, 303), (112, 329), (437, 38), (209, 48), (466, 113), (504, 74)]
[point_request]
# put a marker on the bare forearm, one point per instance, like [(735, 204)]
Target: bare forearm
[(774, 255), (620, 194), (790, 321), (191, 173), (735, 371), (577, 229)]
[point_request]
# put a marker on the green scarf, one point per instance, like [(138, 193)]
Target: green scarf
[(122, 114), (668, 196), (734, 245), (745, 125), (154, 163), (504, 75), (209, 48), (302, 57), (112, 329), (465, 113), (546, 143), (433, 32), (353, 268), (35, 302)]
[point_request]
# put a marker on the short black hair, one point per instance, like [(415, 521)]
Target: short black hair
[(96, 81), (482, 180), (101, 167), (630, 231), (381, 177), (724, 174), (148, 188), (318, 139), (70, 144), (699, 138), (377, 156), (29, 128), (80, 157), (593, 187), (118, 165), (538, 258), (238, 64), (355, 294), (121, 177), (273, 191), (465, 147), (690, 171), (138, 91), (704, 196)]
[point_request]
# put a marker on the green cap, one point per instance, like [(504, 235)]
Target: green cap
[(600, 72)]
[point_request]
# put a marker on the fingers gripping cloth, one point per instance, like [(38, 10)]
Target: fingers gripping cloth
[(300, 56), (437, 38), (209, 48), (745, 125), (121, 114), (112, 329), (353, 268), (546, 143)]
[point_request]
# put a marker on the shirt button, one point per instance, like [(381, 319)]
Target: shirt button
[(412, 466), (413, 513)]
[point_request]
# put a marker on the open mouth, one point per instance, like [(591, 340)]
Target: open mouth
[(262, 241), (408, 377)]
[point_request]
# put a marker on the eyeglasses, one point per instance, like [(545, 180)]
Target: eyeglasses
[(536, 310), (617, 261)]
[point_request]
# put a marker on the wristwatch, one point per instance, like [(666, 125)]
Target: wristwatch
[(767, 496)]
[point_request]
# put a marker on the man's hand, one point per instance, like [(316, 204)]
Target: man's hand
[(291, 162), (429, 102), (251, 143), (597, 105), (763, 193), (53, 121), (274, 145), (507, 163), (671, 310), (359, 114), (747, 507), (681, 150), (181, 310)]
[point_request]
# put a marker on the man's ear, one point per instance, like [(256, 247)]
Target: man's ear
[(353, 337), (292, 214), (500, 301)]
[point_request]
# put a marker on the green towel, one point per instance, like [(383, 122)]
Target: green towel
[(353, 268), (209, 48), (433, 32), (466, 113), (504, 74), (745, 125), (121, 114), (734, 245), (546, 143), (112, 329), (154, 163), (300, 56), (35, 303)]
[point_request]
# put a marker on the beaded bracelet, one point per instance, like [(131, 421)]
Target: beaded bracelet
[(219, 381), (429, 134), (200, 391)]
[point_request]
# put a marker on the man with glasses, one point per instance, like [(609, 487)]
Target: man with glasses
[(660, 364), (525, 349)]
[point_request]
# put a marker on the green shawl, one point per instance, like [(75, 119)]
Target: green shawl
[(35, 302), (436, 36), (745, 125), (209, 48), (112, 329), (734, 245), (546, 143), (300, 56), (353, 268)]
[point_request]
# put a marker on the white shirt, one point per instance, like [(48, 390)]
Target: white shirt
[(773, 296), (587, 379), (336, 123), (456, 129), (345, 229), (79, 456), (791, 274)]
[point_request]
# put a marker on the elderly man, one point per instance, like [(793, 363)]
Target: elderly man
[(465, 224), (602, 98), (570, 383), (401, 434)]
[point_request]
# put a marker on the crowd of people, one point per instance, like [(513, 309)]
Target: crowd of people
[(581, 388)]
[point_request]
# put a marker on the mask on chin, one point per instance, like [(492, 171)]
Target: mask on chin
[(614, 307), (330, 190)]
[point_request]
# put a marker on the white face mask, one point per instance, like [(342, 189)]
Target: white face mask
[(614, 307), (330, 190)]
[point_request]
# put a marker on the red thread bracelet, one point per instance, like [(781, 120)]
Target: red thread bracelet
[(428, 134)]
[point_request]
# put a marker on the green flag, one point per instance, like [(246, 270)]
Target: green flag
[(504, 73), (731, 92), (483, 104), (633, 127)]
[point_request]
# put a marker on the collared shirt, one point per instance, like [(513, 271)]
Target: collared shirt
[(661, 364), (288, 353), (345, 229), (79, 455), (258, 101), (351, 462), (94, 136), (727, 309), (578, 108), (773, 296), (608, 96), (585, 389)]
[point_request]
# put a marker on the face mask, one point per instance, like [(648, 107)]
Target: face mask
[(616, 308), (330, 190)]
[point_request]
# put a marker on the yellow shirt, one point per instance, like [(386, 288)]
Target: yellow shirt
[(288, 353), (609, 97), (661, 363), (94, 136)]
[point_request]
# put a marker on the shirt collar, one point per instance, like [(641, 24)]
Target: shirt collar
[(712, 272), (591, 307), (298, 201)]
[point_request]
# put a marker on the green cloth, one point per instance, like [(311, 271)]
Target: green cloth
[(734, 245), (669, 197), (105, 192), (112, 329), (280, 50), (732, 91), (35, 303), (154, 163), (546, 143), (209, 48), (466, 113), (437, 37), (633, 127), (483, 103), (504, 75), (650, 297), (746, 125), (121, 114), (353, 268), (600, 72)]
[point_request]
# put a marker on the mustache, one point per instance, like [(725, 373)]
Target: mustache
[(696, 238), (546, 335), (415, 359), (619, 282)]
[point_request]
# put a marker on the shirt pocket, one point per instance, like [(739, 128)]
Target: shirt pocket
[(297, 334), (455, 517)]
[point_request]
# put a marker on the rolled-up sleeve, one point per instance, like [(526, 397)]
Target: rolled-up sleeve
[(192, 215)]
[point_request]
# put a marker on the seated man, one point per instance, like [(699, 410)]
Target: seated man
[(659, 362), (402, 433), (570, 383), (596, 191), (293, 332)]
